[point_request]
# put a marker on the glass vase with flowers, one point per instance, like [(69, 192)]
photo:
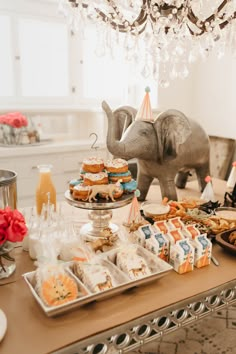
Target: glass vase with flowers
[(12, 125), (12, 229)]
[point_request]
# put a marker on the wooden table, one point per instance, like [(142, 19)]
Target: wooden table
[(125, 321)]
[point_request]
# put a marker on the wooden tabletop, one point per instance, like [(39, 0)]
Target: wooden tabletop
[(31, 331)]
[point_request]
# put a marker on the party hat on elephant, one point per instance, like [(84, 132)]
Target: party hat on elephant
[(134, 215), (232, 176), (208, 192), (145, 111)]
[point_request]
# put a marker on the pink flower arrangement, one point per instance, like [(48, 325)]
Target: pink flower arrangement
[(14, 119), (12, 226)]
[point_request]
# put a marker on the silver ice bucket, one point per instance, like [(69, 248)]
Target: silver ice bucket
[(8, 189)]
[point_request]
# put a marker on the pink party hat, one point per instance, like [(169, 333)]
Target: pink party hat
[(208, 193), (134, 215), (145, 111), (232, 177)]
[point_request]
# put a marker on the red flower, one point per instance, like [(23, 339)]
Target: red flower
[(3, 235), (14, 119), (12, 225)]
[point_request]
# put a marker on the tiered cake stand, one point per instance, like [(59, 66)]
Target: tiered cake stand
[(100, 213)]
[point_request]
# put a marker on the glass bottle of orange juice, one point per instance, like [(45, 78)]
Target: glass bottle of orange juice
[(45, 191)]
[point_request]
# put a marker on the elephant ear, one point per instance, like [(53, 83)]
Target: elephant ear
[(173, 129), (124, 115)]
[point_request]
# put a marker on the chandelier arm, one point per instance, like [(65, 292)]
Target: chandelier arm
[(226, 22), (139, 21), (195, 20)]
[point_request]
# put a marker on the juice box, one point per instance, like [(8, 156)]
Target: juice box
[(159, 245), (182, 256), (202, 250)]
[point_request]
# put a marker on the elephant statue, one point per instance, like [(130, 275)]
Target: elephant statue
[(166, 149)]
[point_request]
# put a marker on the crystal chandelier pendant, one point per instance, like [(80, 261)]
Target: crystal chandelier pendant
[(157, 32)]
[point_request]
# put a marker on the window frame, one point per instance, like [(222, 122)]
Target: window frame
[(47, 10)]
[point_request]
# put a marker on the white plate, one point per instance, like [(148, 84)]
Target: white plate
[(3, 324)]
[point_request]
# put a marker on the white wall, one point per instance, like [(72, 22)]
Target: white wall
[(208, 95)]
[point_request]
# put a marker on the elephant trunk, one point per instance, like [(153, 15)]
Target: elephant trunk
[(114, 145)]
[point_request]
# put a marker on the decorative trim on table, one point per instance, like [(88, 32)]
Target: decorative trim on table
[(136, 333)]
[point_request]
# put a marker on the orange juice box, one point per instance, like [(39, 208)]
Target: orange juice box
[(203, 249), (175, 223), (182, 256), (144, 232), (190, 231), (159, 245), (161, 226), (174, 235)]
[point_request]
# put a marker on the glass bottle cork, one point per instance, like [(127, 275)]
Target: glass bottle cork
[(45, 188)]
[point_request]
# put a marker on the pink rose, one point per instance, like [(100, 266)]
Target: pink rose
[(15, 122), (3, 119), (24, 121), (16, 231), (14, 119), (3, 235), (12, 225)]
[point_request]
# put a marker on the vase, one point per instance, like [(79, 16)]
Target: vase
[(7, 262)]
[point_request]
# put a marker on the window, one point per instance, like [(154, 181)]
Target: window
[(6, 72), (43, 64), (43, 48)]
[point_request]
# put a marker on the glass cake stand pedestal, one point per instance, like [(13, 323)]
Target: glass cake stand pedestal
[(100, 213)]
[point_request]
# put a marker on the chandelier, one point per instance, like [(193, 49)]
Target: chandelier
[(162, 37)]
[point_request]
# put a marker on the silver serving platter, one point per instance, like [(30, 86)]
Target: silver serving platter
[(101, 204), (159, 269)]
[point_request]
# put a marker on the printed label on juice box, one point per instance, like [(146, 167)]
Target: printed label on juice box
[(144, 232), (176, 223), (159, 245), (182, 256), (161, 226), (202, 250)]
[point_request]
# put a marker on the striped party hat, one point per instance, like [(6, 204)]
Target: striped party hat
[(145, 111)]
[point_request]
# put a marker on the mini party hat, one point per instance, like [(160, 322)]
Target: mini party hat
[(134, 212), (232, 177), (145, 111), (208, 193)]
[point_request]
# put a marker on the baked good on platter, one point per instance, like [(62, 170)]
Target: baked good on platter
[(93, 164), (129, 187), (91, 179), (95, 277), (120, 176), (116, 165), (58, 289), (132, 264), (73, 183), (81, 192)]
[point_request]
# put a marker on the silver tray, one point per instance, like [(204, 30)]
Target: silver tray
[(159, 269), (101, 204)]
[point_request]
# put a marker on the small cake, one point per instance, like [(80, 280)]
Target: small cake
[(118, 192), (94, 276), (81, 192), (58, 289), (73, 183), (129, 187), (93, 164), (91, 179), (116, 165), (132, 264), (120, 176)]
